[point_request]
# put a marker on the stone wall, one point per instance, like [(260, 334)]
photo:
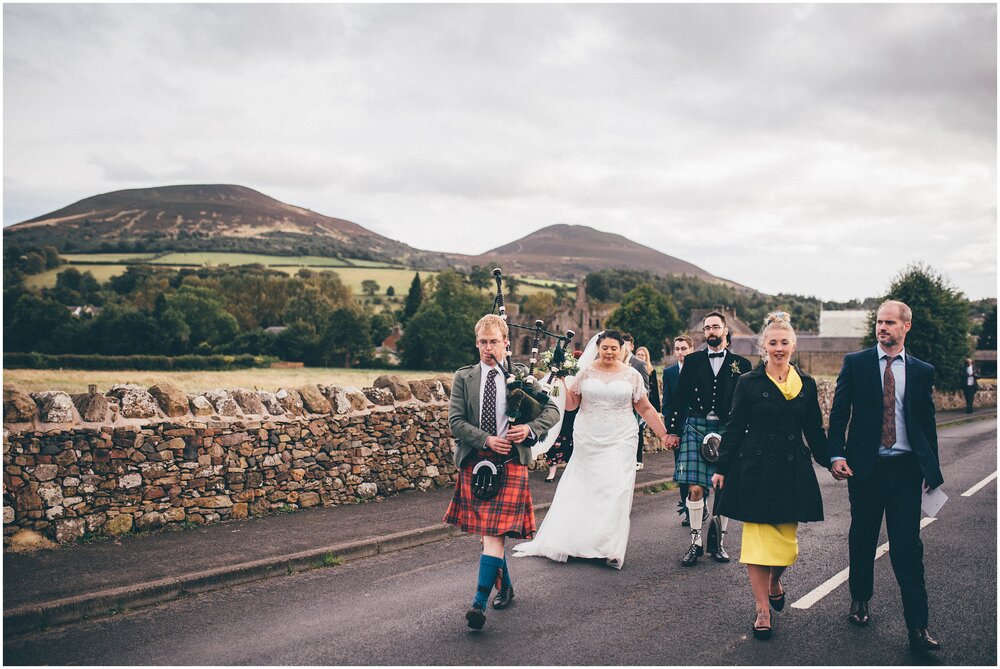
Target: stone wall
[(137, 459)]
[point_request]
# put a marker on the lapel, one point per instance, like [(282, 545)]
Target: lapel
[(475, 379), (911, 378), (874, 375)]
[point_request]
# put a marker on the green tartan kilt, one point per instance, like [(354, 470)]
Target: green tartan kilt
[(690, 467)]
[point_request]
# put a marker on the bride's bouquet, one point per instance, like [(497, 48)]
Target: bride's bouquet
[(557, 361)]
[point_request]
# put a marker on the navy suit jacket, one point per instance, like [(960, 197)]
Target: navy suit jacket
[(671, 377), (857, 405)]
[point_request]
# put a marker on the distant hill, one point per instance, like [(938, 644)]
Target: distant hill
[(569, 251), (206, 218), (229, 218)]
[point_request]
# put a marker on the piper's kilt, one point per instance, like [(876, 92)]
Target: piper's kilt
[(690, 467), (509, 513)]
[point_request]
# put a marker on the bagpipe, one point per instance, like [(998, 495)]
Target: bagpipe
[(527, 396)]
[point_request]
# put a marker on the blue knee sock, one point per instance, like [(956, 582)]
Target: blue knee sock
[(488, 566)]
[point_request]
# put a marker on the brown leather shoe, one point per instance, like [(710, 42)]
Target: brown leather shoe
[(921, 639), (859, 614)]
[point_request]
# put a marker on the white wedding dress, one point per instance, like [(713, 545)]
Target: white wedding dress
[(589, 516)]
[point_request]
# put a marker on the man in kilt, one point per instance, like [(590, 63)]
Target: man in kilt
[(478, 419), (701, 406)]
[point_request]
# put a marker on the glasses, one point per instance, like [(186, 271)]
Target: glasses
[(712, 328), (489, 342)]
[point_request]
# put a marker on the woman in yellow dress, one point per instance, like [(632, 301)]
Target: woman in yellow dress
[(764, 473)]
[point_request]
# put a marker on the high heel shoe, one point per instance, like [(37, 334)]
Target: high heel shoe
[(550, 479), (761, 632), (777, 601)]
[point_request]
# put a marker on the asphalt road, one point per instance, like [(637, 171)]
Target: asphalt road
[(407, 608)]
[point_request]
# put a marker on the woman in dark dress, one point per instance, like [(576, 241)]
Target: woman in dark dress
[(765, 472)]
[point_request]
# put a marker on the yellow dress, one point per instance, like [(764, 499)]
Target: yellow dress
[(773, 545)]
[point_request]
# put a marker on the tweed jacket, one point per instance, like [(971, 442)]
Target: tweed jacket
[(463, 417)]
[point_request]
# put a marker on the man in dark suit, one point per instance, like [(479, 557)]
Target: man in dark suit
[(884, 402), (671, 377), (629, 358), (478, 419), (970, 384), (701, 406)]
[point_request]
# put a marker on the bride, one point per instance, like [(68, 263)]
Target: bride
[(589, 516)]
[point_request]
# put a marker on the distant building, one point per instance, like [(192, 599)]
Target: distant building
[(85, 311), (582, 317), (843, 323), (275, 330)]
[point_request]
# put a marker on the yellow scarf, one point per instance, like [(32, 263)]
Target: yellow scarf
[(792, 385)]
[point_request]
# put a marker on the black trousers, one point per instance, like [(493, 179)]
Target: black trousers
[(894, 490), (970, 395)]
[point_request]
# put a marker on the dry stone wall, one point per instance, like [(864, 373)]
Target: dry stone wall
[(139, 459)]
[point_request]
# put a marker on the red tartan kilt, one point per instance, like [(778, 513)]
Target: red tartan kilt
[(509, 513)]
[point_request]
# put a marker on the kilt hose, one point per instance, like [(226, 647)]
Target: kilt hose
[(509, 513), (690, 467)]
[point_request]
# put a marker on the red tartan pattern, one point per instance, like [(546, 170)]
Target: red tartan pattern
[(510, 513)]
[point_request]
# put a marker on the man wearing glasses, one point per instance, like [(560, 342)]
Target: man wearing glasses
[(477, 415), (701, 406)]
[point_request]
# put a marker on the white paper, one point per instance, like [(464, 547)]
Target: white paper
[(932, 501)]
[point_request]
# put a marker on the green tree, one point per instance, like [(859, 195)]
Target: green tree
[(381, 326), (441, 333), (298, 343), (369, 287), (125, 331), (345, 338), (414, 298), (203, 310), (649, 316), (988, 338), (390, 292), (31, 322), (940, 331)]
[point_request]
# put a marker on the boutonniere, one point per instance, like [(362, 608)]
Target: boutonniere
[(735, 367)]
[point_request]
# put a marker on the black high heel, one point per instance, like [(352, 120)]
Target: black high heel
[(760, 632), (777, 601)]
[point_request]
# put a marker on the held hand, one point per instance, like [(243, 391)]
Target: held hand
[(840, 470), (672, 441), (718, 481), (498, 444), (518, 433)]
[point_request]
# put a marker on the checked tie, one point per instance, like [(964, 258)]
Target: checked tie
[(888, 405), (488, 419)]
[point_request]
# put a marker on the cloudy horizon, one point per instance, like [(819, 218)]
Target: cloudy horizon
[(809, 149)]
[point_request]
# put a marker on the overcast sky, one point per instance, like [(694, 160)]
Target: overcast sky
[(808, 149)]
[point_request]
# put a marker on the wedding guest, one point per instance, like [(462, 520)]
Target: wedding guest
[(764, 473)]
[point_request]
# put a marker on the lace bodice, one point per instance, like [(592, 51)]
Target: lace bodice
[(608, 391)]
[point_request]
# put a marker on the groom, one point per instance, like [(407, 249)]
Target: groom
[(477, 414), (701, 406)]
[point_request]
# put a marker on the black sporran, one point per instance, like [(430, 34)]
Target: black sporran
[(710, 447), (487, 479)]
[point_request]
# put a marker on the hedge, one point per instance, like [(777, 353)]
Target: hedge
[(135, 362)]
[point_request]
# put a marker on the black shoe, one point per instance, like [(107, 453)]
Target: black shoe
[(504, 598), (685, 521), (921, 639), (476, 617), (720, 554), (777, 601), (859, 614), (693, 553), (760, 632)]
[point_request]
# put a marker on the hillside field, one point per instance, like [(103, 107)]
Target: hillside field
[(351, 271)]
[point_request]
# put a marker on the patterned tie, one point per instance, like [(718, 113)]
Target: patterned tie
[(488, 419), (888, 405)]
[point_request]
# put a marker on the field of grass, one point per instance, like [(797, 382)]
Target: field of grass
[(351, 271), (76, 381)]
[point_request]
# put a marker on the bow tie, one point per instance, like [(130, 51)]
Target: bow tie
[(720, 354)]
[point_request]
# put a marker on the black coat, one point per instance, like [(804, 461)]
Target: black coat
[(700, 391), (768, 469)]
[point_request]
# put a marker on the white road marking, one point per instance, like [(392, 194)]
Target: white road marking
[(976, 488), (839, 578)]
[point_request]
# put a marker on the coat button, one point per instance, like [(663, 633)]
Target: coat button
[(791, 457), (766, 394), (760, 452), (791, 437)]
